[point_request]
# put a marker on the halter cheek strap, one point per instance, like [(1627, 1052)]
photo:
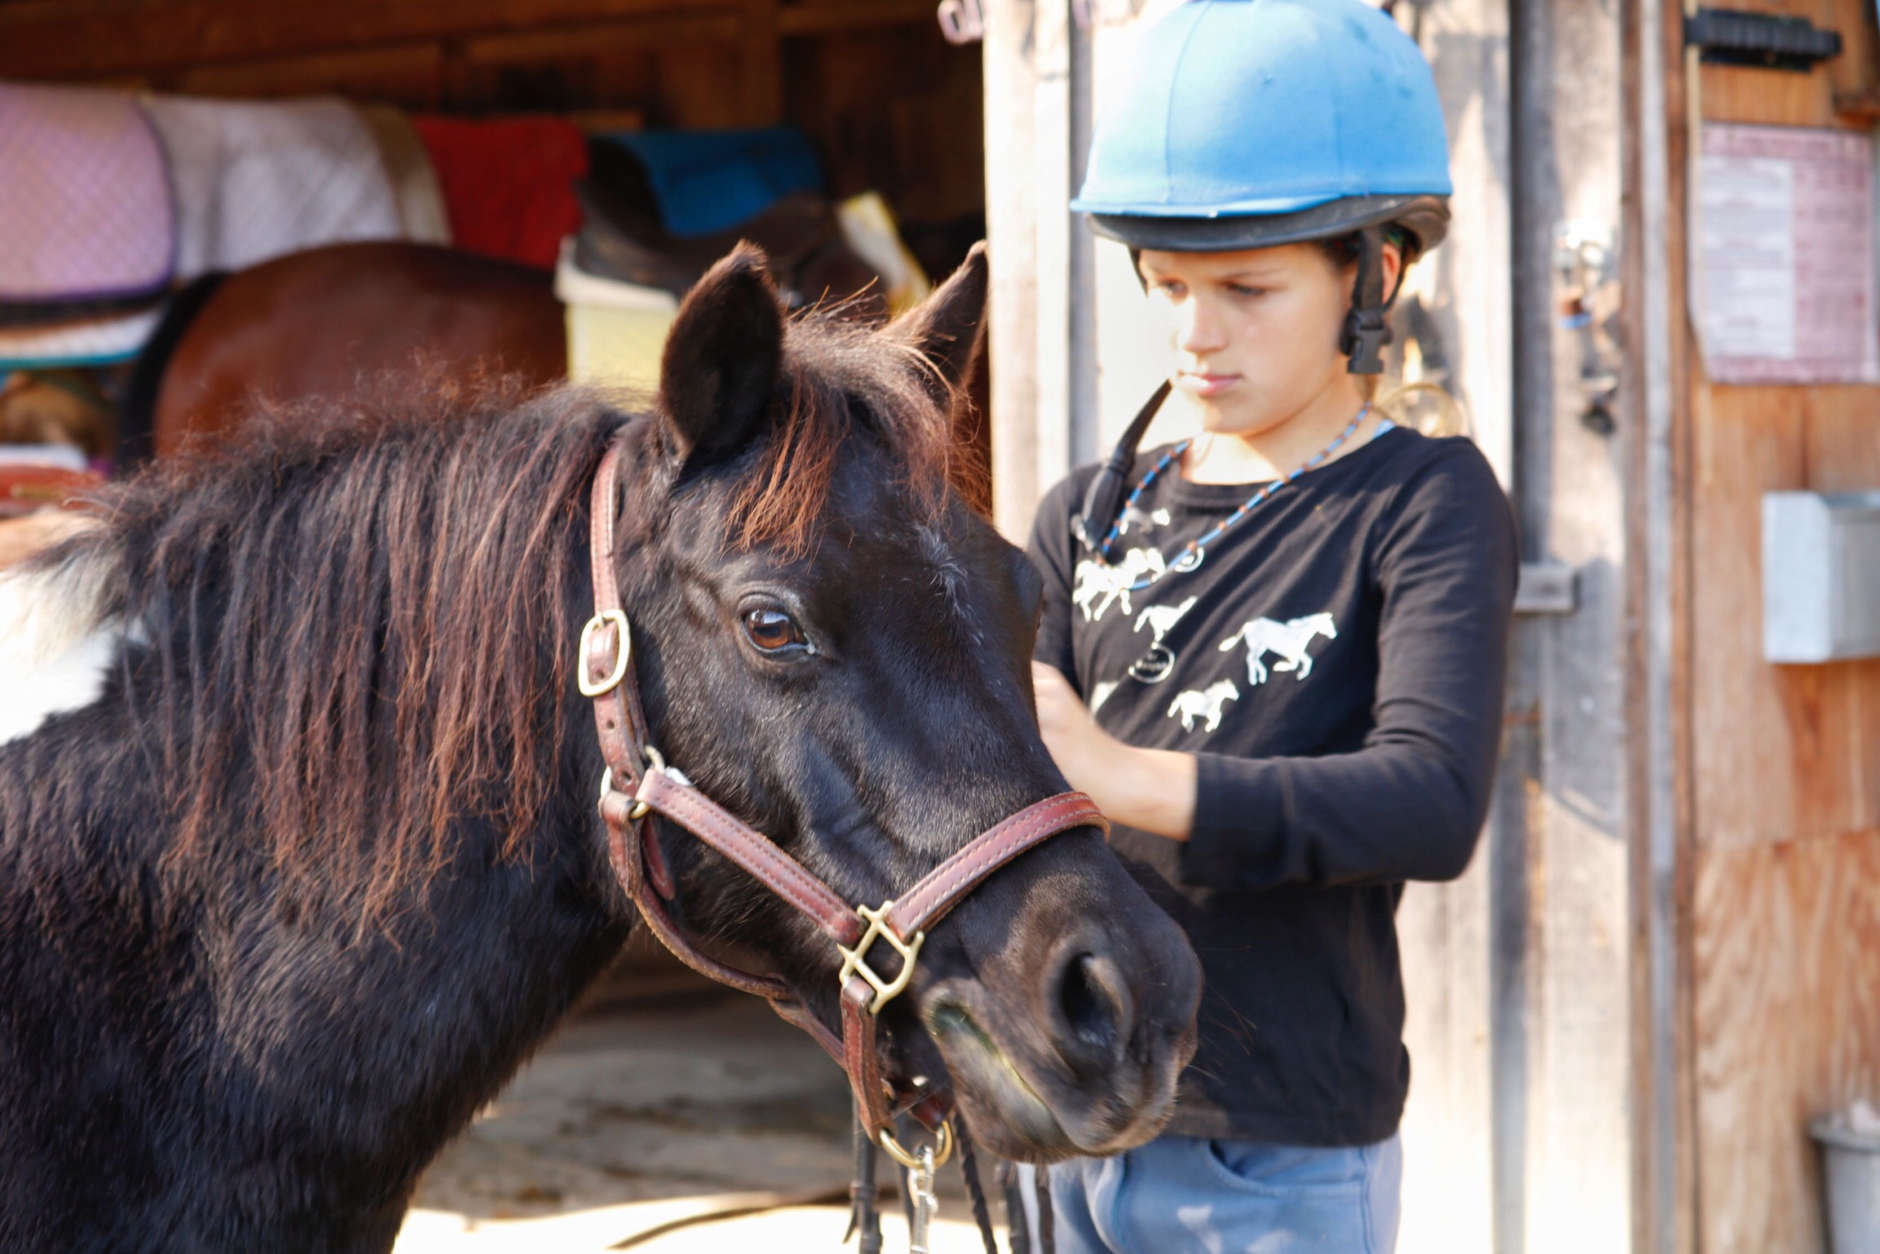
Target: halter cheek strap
[(638, 783)]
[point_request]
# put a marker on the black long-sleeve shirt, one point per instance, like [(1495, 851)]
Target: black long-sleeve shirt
[(1335, 662)]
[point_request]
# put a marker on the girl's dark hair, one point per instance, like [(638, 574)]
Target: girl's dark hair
[(1343, 249)]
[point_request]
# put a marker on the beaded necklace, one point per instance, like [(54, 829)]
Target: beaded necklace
[(1192, 554)]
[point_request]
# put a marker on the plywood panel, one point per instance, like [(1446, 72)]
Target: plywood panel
[(1749, 740), (1784, 850), (1787, 968), (1842, 449), (1780, 752)]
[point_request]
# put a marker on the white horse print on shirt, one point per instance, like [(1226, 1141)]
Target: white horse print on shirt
[(1100, 586), (1205, 705), (1160, 618), (1288, 639)]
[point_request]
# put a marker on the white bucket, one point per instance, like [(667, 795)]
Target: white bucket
[(1850, 1175)]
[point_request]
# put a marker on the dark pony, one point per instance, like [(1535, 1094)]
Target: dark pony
[(298, 850)]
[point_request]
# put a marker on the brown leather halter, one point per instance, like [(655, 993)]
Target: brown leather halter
[(638, 783)]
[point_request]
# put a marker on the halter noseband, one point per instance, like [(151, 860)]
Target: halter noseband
[(638, 783)]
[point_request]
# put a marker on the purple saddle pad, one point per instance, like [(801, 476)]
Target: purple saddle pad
[(85, 208)]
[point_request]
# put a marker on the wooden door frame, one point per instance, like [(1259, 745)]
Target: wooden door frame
[(1655, 154)]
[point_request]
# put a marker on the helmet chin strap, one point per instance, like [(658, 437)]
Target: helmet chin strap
[(1365, 331)]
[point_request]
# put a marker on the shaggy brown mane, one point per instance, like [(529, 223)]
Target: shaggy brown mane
[(362, 614)]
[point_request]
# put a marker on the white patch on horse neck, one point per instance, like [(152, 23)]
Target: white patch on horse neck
[(55, 644)]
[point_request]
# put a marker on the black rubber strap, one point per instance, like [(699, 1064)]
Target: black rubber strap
[(1366, 329), (1103, 500)]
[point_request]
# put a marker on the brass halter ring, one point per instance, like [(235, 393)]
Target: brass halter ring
[(942, 1147)]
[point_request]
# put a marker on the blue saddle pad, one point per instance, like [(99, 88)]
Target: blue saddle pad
[(710, 181)]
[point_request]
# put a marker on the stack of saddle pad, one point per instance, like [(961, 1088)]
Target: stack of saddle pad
[(109, 198), (658, 207), (87, 226)]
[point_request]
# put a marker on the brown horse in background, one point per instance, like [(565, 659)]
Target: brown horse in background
[(335, 322), (320, 323)]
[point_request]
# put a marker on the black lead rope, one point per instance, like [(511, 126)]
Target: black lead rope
[(975, 1190), (1014, 1208), (863, 1217), (1047, 1225)]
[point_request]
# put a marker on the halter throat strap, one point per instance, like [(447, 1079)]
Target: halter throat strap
[(638, 784)]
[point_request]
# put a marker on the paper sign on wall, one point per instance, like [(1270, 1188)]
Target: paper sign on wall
[(1783, 256)]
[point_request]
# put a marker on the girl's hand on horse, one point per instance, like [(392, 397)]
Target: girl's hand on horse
[(1152, 790)]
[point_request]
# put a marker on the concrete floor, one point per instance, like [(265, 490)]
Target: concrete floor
[(635, 1118)]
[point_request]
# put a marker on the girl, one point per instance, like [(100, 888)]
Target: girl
[(1274, 653)]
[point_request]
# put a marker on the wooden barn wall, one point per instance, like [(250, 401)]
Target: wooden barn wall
[(891, 105), (1784, 761)]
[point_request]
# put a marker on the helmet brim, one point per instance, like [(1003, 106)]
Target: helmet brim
[(1424, 217)]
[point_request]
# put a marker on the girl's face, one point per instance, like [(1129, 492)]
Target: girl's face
[(1255, 332)]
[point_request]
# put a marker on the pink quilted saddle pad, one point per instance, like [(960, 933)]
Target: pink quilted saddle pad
[(85, 208)]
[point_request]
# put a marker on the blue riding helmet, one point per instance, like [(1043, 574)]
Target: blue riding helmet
[(1254, 123)]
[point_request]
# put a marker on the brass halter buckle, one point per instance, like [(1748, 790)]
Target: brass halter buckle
[(855, 961), (624, 655)]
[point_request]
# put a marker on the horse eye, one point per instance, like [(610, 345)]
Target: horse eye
[(772, 631)]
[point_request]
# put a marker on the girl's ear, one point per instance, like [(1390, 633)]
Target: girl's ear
[(1391, 258)]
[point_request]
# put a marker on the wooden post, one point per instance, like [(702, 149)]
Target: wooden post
[(1657, 674), (1011, 238)]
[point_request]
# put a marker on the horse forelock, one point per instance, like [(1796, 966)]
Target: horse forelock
[(838, 380), (362, 624)]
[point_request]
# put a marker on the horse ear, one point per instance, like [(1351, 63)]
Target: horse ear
[(947, 326), (719, 368)]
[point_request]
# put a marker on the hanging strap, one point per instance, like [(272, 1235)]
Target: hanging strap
[(1103, 500), (1366, 331)]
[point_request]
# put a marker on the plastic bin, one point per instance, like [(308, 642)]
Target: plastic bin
[(616, 330)]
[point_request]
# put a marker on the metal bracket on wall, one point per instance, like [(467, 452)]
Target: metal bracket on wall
[(1737, 37), (1547, 588), (1589, 303)]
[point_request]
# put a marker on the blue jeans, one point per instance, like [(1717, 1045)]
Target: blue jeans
[(1229, 1197)]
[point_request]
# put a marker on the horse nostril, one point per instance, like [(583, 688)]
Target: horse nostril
[(1088, 1008)]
